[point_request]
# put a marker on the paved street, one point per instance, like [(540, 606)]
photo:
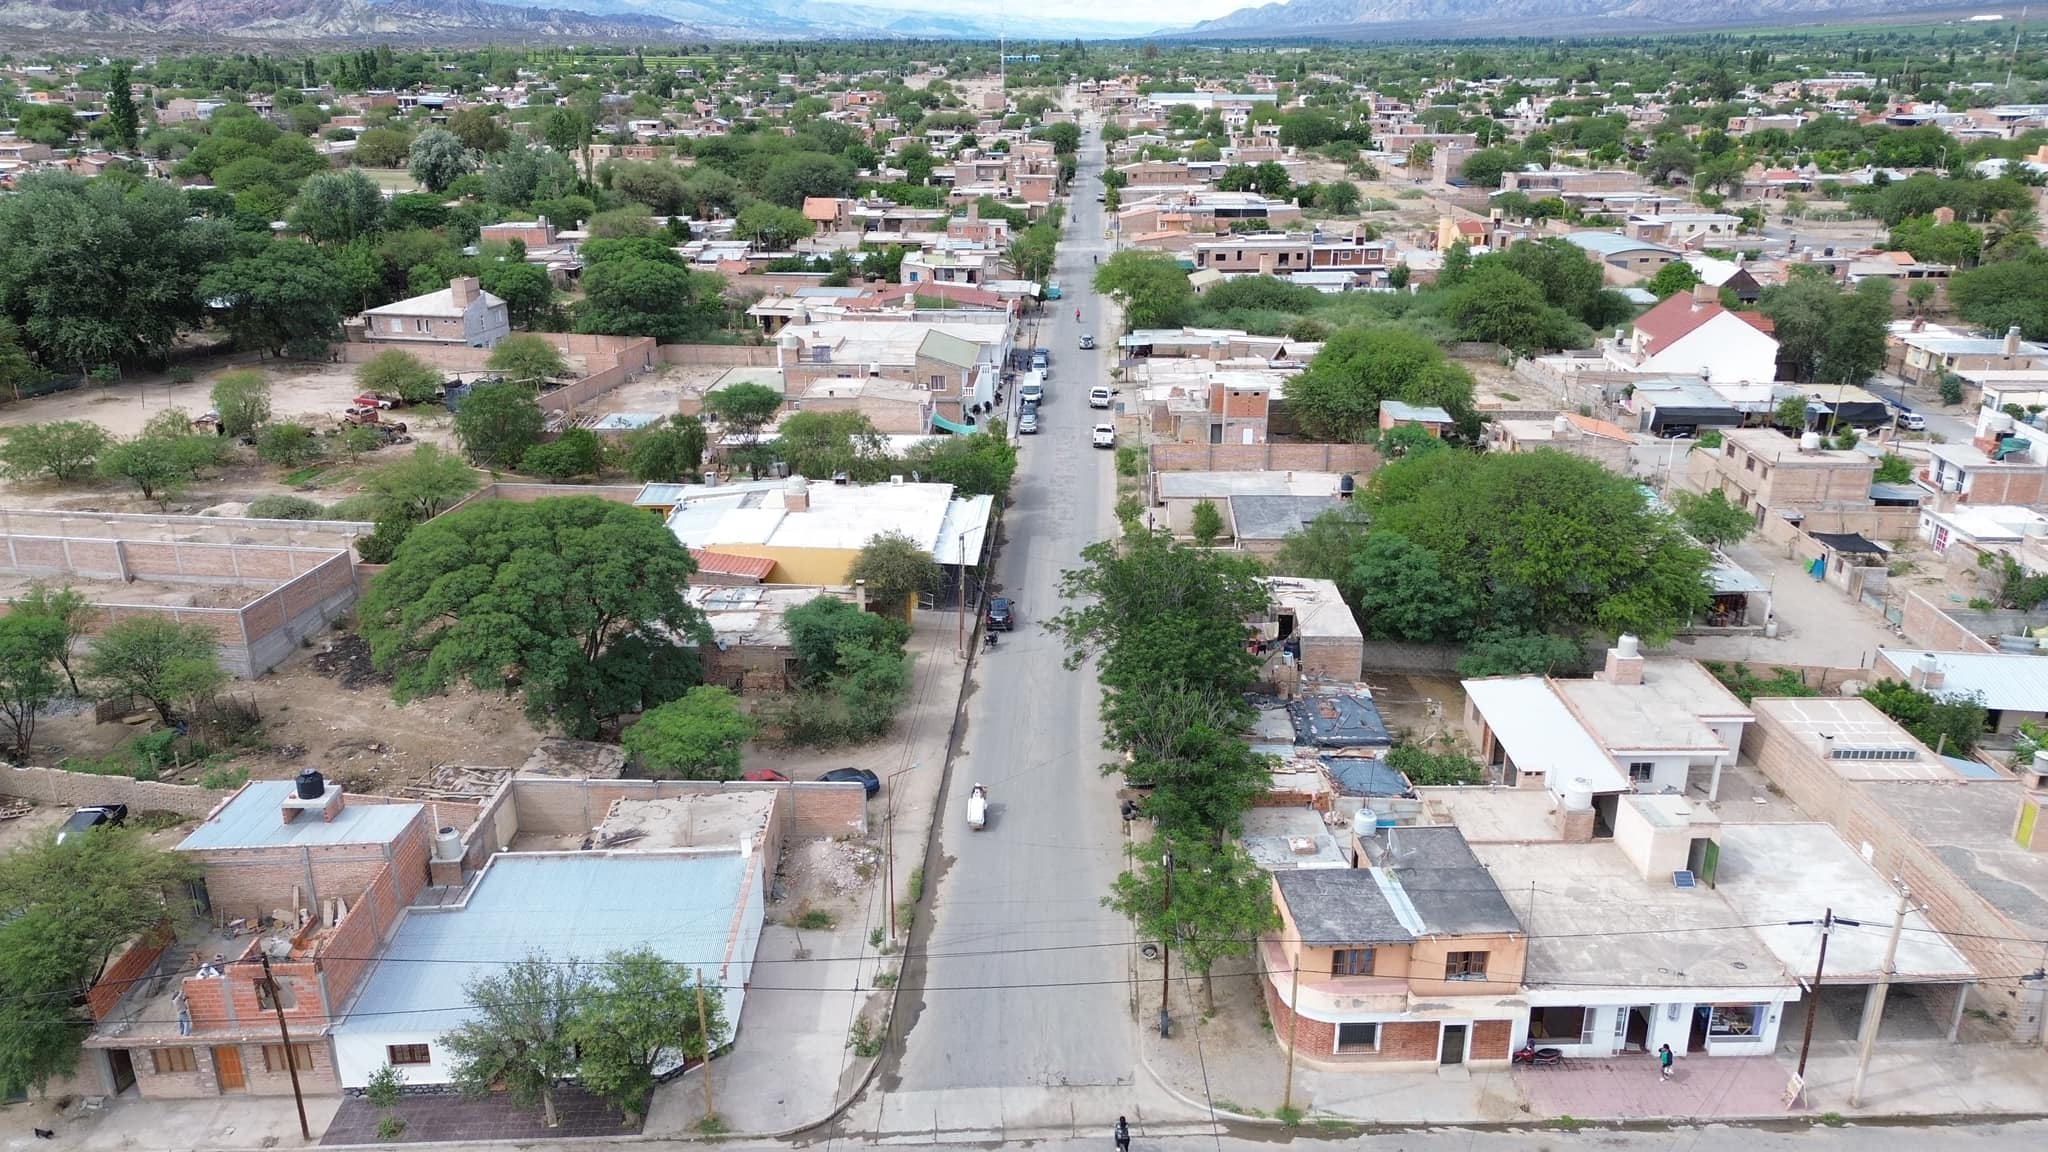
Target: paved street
[(1022, 988)]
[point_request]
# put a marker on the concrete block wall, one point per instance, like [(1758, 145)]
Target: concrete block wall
[(1357, 459), (276, 624), (333, 535), (715, 355), (73, 789), (1928, 626)]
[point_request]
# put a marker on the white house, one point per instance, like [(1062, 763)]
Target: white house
[(1693, 335), (461, 313)]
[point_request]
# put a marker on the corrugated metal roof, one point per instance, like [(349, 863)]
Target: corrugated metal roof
[(568, 907), (253, 819), (2007, 681), (1540, 734)]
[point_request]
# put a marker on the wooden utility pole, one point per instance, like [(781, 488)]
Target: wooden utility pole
[(284, 1032), (889, 862), (1884, 985), (1166, 949), (1293, 1029), (1827, 924), (704, 1031)]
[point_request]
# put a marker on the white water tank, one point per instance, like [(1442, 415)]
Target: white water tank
[(447, 844), (1627, 645), (1809, 442), (1559, 425), (1577, 795)]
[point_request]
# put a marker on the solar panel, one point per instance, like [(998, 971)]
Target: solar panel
[(1682, 878)]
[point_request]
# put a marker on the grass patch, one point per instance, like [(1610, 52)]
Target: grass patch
[(156, 820), (1830, 1120), (1289, 1116), (863, 1038), (885, 979), (812, 919), (916, 884), (1224, 1104), (304, 477), (711, 1125), (1566, 1123)]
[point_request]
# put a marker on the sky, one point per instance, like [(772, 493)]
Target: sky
[(1151, 13)]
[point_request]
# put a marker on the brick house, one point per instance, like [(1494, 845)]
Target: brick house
[(1765, 471), (192, 1016), (462, 313), (1411, 960)]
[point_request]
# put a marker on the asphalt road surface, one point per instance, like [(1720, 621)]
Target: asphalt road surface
[(1022, 981)]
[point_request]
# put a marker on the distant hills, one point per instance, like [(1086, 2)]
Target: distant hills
[(1343, 19)]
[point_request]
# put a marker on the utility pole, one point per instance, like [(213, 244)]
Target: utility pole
[(1827, 925), (961, 641), (1293, 1028), (291, 1062), (1884, 985), (704, 1031), (1165, 950)]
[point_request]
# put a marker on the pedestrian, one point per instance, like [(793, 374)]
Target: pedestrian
[(1664, 1061), (1123, 1135)]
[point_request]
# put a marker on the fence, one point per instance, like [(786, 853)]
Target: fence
[(72, 789), (719, 355), (1357, 459), (1958, 629), (608, 361), (182, 529)]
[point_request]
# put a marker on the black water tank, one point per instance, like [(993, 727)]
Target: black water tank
[(1346, 486), (312, 785)]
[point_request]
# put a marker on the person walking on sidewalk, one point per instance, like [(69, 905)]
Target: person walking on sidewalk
[(1664, 1061), (1123, 1135)]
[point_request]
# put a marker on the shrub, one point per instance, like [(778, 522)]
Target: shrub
[(287, 445), (242, 399), (578, 452), (400, 374), (285, 507)]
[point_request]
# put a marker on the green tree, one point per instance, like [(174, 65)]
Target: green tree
[(65, 607), (524, 358), (123, 120), (61, 451), (1338, 397), (286, 445), (525, 289), (242, 400), (1205, 523), (697, 737), (1711, 519), (1421, 155), (338, 207), (1893, 469), (1499, 306), (895, 569), (638, 297), (1950, 722), (1955, 243), (820, 629), (1222, 902), (1520, 652), (1826, 334), (1426, 769), (1340, 197), (400, 374), (156, 659), (828, 443), (575, 600), (795, 176), (1672, 279), (29, 647), (437, 158), (1151, 288), (157, 465), (772, 226), (521, 1031), (479, 130), (1401, 593), (382, 148), (576, 452), (1323, 548), (639, 1014), (982, 464), (2008, 294), (744, 408), (284, 299), (498, 423), (666, 453)]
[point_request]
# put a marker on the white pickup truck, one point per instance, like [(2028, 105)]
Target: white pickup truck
[(1105, 435), (1099, 397)]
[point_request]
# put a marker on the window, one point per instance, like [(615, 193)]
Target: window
[(169, 1060), (406, 1054), (821, 353), (273, 1057), (1639, 771), (1735, 1022), (1465, 966), (422, 325), (1749, 463), (1351, 962), (1358, 1037)]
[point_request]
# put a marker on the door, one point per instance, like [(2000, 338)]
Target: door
[(122, 1065), (1705, 861), (227, 1069), (1453, 1051)]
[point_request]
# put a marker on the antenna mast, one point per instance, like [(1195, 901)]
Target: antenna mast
[(2014, 59)]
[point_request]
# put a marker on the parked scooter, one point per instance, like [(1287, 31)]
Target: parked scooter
[(988, 639), (1539, 1057)]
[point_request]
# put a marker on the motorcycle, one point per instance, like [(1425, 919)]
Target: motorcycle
[(988, 639), (977, 808), (1538, 1057)]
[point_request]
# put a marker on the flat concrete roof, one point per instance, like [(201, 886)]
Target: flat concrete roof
[(751, 614), (1968, 824), (1291, 838), (1593, 919), (253, 818), (700, 819), (1216, 485), (1540, 733), (1773, 874), (1319, 608), (1667, 712), (1833, 726), (1781, 449), (1488, 815)]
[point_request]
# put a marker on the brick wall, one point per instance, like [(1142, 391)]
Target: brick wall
[(1357, 459), (130, 967), (72, 789), (1401, 1041), (1929, 626), (1491, 1038), (254, 881), (710, 355), (317, 1080), (1334, 658)]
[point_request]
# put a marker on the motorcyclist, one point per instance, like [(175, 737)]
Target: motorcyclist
[(1077, 314)]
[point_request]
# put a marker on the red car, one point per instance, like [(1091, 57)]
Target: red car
[(373, 400), (764, 776)]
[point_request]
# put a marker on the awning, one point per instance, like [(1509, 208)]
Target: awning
[(940, 422)]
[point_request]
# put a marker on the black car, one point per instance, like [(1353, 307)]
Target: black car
[(92, 817), (1001, 616), (866, 779)]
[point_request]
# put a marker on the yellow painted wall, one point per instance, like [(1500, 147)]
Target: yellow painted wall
[(799, 565)]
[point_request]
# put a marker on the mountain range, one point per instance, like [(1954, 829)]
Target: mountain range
[(506, 19), (1359, 19)]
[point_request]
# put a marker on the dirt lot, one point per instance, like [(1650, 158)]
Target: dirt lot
[(355, 734), (830, 876), (658, 392)]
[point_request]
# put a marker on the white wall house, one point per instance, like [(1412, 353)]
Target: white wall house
[(1694, 336)]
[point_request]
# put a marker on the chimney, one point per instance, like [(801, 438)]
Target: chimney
[(1625, 661), (2012, 341), (974, 209), (1944, 215), (796, 495), (1926, 674), (1703, 295), (463, 289)]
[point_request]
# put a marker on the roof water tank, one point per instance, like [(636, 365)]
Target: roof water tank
[(1577, 795), (1628, 645), (447, 844), (1346, 484), (1809, 442), (311, 785), (1559, 425)]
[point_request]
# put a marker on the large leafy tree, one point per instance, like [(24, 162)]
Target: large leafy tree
[(983, 464), (156, 659), (1401, 593), (1827, 334), (1221, 903), (828, 443), (2011, 293), (123, 120), (695, 737), (1151, 288), (283, 298), (629, 295), (521, 1031), (498, 423), (338, 207), (29, 647), (895, 569), (101, 271), (421, 486), (61, 451), (437, 158), (575, 600), (641, 1013), (666, 453), (1338, 397)]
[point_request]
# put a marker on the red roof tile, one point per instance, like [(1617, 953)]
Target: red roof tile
[(1674, 319), (728, 564)]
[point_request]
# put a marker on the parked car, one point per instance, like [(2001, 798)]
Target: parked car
[(1087, 342), (1032, 394), (1041, 359), (1052, 290), (376, 400), (861, 776), (764, 776), (1912, 421), (92, 816), (1001, 616), (1027, 424), (1098, 397), (1105, 435)]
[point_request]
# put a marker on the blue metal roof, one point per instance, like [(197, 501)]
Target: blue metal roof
[(1338, 719), (254, 819), (1972, 769), (566, 906), (1355, 776)]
